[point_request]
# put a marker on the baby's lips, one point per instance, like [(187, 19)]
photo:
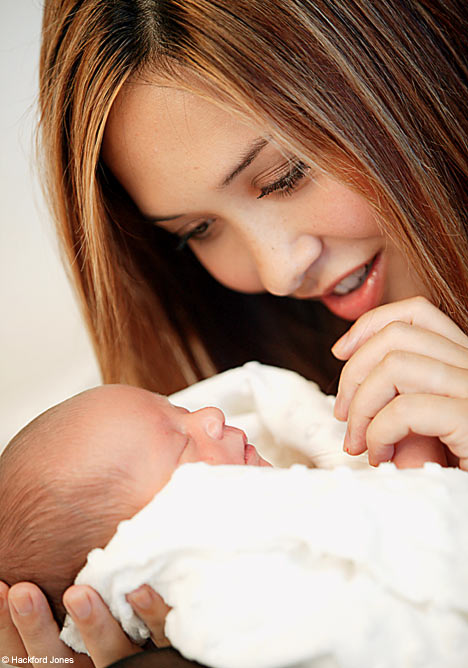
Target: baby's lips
[(238, 431), (249, 453)]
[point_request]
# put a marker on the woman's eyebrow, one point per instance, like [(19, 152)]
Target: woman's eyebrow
[(248, 157), (162, 219), (245, 161)]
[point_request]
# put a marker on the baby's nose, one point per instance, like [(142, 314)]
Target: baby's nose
[(212, 421)]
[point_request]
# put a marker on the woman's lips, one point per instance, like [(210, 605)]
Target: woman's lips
[(364, 298), (361, 268)]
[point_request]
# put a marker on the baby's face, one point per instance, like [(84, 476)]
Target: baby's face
[(183, 437), (151, 438)]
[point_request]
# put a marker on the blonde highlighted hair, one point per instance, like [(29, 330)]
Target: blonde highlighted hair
[(372, 91)]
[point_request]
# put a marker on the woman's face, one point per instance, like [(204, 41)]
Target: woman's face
[(256, 220)]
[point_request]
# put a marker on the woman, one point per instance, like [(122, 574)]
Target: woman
[(303, 156)]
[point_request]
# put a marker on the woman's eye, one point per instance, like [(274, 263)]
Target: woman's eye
[(198, 232), (287, 183)]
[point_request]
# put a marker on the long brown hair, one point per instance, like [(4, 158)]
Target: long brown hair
[(371, 91)]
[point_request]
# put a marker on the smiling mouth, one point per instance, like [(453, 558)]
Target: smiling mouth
[(352, 281)]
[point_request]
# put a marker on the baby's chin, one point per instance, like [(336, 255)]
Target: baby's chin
[(252, 458)]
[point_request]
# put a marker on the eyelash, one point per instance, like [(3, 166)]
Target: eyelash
[(287, 183), (195, 233), (284, 186)]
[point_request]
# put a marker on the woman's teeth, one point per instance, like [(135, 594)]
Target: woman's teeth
[(353, 281)]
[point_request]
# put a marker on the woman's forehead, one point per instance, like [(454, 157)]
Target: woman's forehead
[(158, 136)]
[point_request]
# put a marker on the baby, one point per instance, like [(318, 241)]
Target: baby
[(76, 471)]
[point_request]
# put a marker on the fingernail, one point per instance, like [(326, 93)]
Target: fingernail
[(22, 603), (386, 455), (141, 598), (78, 604), (340, 346), (346, 443)]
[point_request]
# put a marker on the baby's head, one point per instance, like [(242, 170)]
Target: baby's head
[(70, 476)]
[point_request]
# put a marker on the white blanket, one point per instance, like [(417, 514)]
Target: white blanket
[(269, 568)]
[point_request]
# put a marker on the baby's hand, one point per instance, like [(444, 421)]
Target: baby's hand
[(407, 373)]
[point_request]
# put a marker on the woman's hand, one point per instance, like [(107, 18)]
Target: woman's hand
[(27, 627), (407, 372)]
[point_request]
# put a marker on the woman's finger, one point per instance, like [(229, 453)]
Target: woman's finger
[(415, 311), (427, 415), (10, 640), (399, 373), (36, 626), (397, 336), (101, 633), (152, 610)]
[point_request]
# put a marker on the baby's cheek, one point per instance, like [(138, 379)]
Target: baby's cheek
[(151, 480)]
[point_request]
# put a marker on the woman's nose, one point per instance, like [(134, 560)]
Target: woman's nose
[(282, 262), (211, 421)]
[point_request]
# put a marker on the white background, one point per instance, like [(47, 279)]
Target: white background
[(45, 354)]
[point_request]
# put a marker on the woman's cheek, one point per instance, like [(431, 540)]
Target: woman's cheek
[(230, 265), (402, 281)]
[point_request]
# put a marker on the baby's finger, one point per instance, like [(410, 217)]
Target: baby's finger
[(10, 641), (428, 415), (414, 311), (395, 336), (33, 618), (101, 633), (152, 609), (399, 373)]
